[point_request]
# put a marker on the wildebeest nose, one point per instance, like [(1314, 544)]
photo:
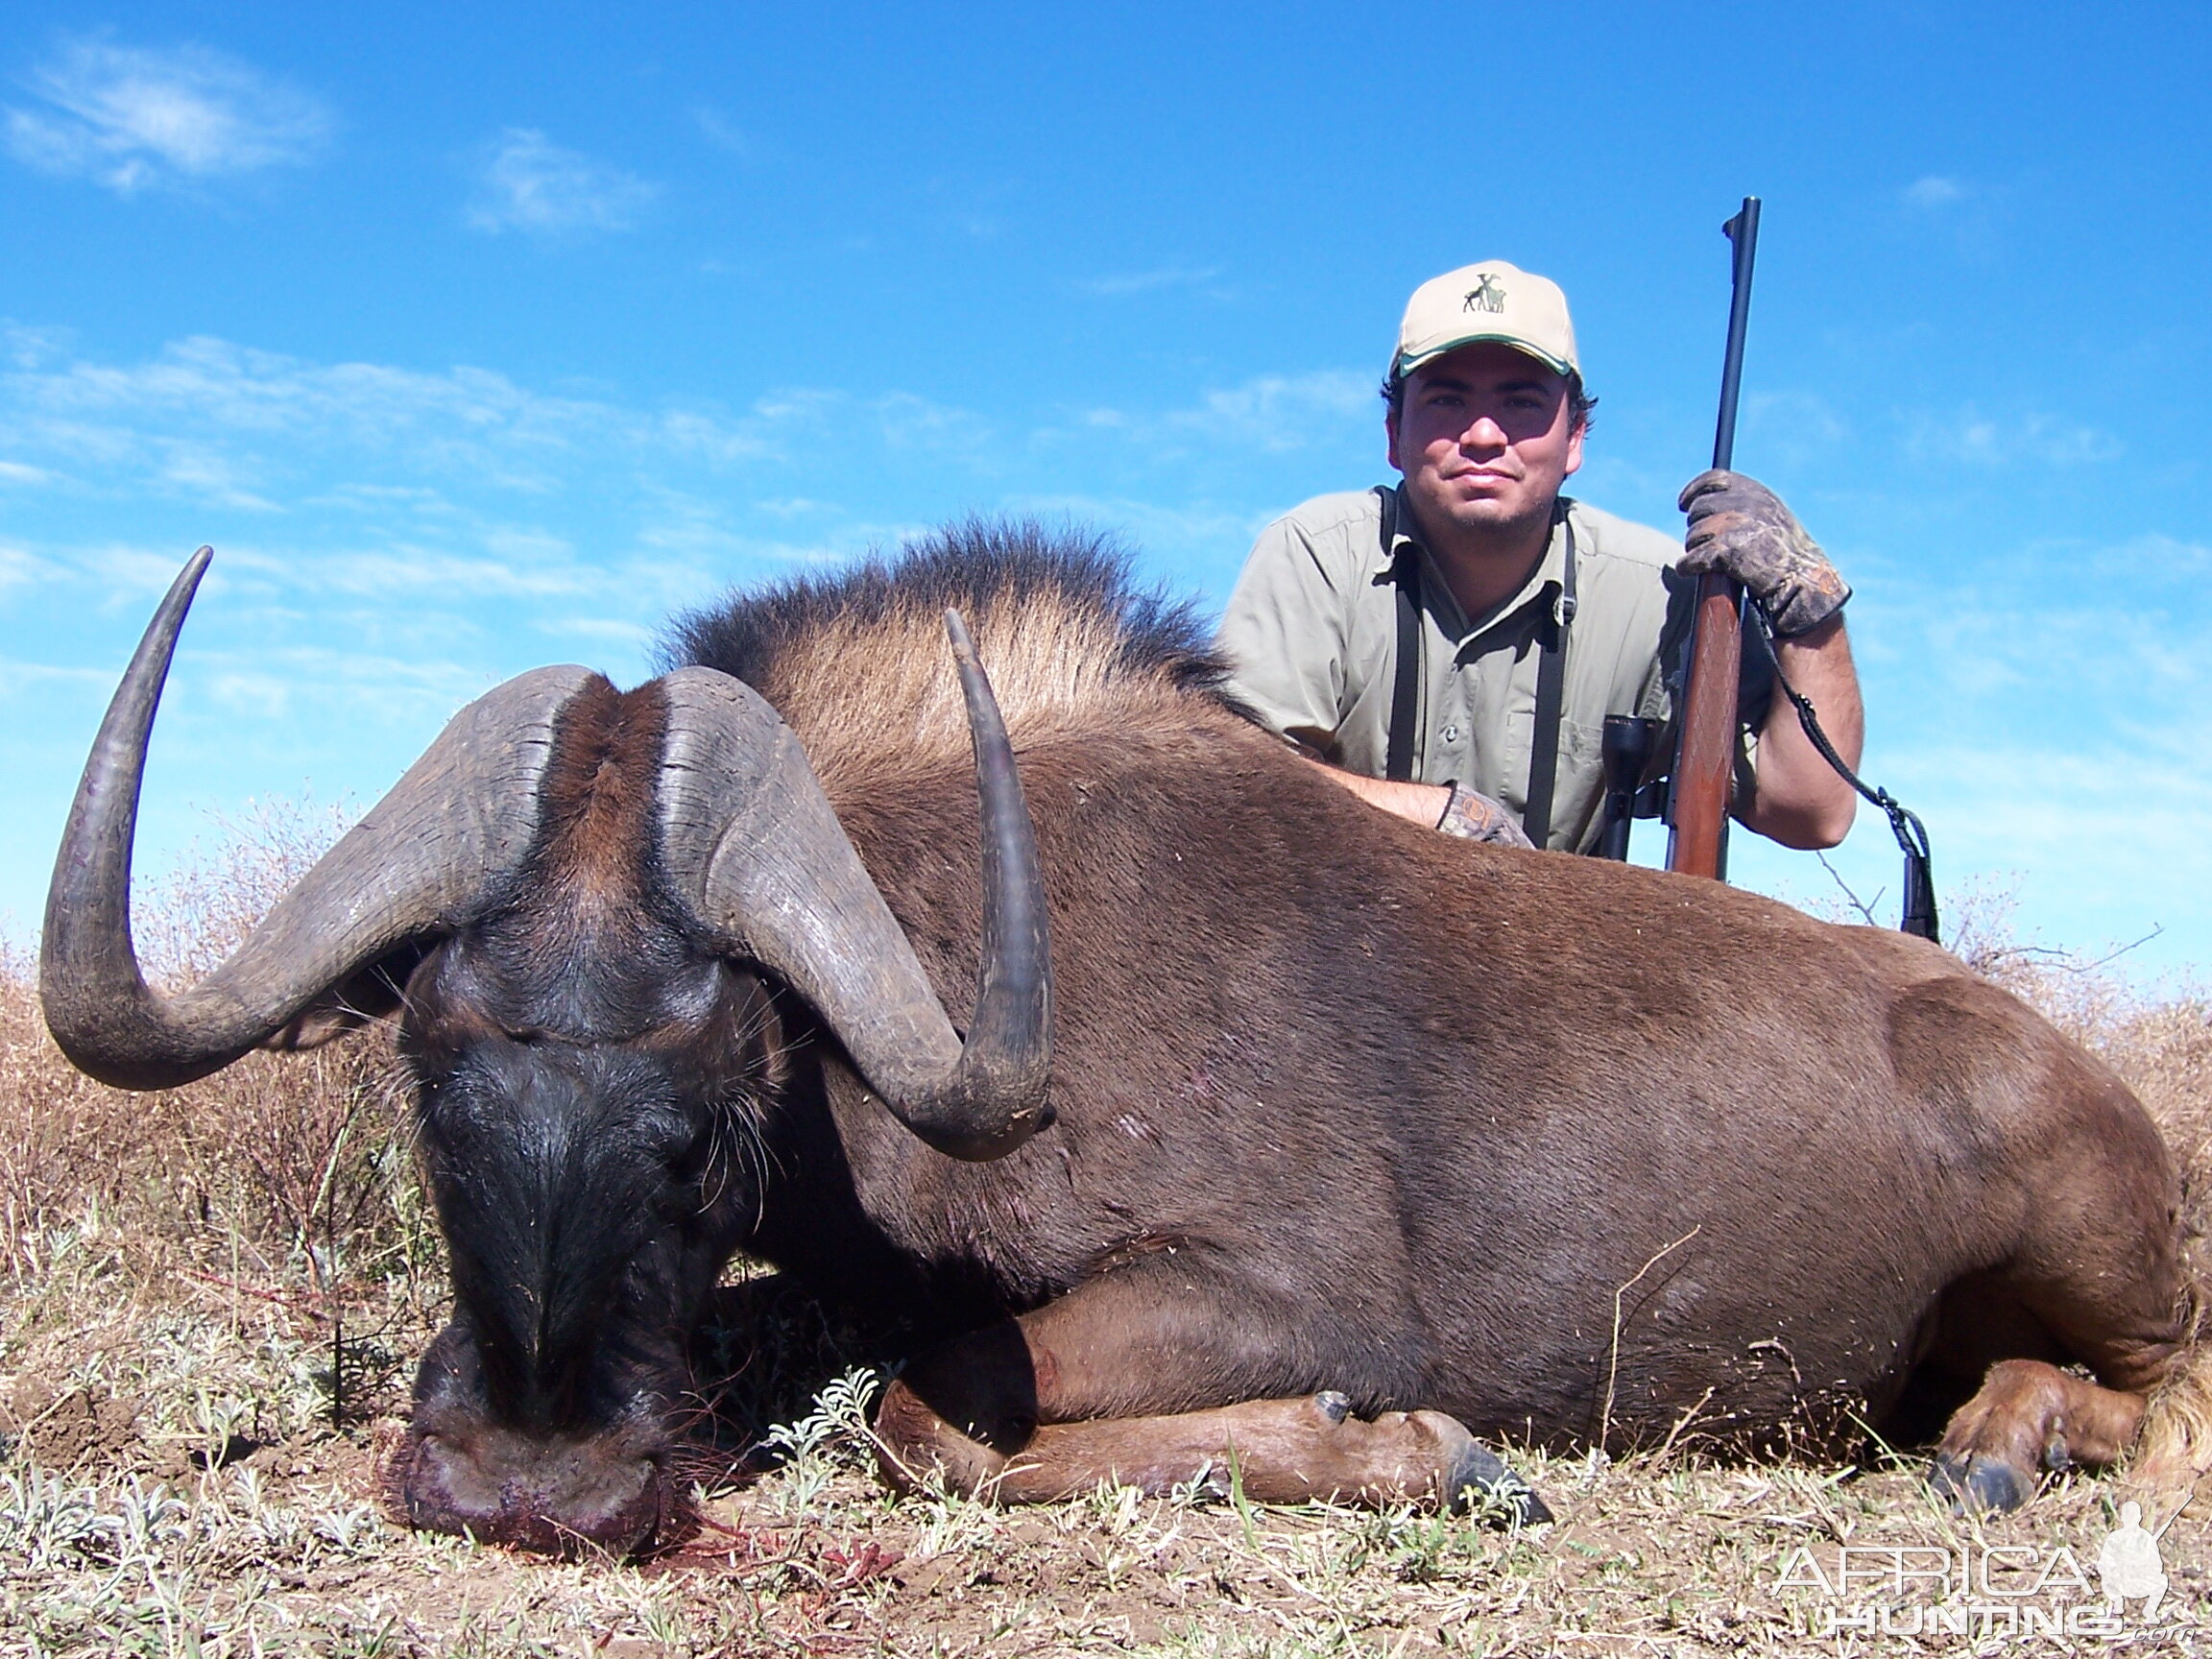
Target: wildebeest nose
[(548, 1493)]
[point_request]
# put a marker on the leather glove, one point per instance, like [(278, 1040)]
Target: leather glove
[(1472, 817), (1740, 527)]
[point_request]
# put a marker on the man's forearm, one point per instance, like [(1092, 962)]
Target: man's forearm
[(1448, 808), (1421, 803), (1799, 800)]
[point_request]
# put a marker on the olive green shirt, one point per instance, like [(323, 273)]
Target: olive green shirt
[(1311, 635)]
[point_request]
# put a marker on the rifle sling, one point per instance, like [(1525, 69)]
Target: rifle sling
[(1551, 695), (1406, 684)]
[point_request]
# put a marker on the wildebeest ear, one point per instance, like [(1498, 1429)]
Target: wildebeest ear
[(371, 995)]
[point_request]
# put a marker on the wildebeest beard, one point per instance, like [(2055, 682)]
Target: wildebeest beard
[(590, 1081)]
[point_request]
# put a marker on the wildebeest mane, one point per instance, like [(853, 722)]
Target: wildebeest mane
[(855, 659)]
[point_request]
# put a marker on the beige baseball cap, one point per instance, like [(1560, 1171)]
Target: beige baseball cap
[(1492, 301)]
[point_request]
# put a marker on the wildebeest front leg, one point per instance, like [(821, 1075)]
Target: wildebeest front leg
[(1087, 1390)]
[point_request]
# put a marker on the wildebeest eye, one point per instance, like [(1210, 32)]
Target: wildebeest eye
[(674, 1139)]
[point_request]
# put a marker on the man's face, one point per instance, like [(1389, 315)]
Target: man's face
[(1485, 439)]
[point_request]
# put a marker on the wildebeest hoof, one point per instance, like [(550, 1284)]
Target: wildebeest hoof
[(1478, 1482), (1976, 1481), (1333, 1405)]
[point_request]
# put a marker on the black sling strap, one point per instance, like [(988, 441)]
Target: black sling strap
[(1551, 696), (1405, 682), (1406, 686)]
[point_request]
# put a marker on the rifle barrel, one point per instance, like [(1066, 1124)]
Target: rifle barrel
[(1742, 234)]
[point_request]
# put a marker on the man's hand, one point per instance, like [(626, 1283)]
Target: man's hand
[(1470, 816), (1740, 527)]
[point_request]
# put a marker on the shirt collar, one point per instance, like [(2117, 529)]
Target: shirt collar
[(1536, 598)]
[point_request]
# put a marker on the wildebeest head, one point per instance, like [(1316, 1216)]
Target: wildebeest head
[(583, 904)]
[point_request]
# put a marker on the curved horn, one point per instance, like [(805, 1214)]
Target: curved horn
[(418, 862), (754, 846)]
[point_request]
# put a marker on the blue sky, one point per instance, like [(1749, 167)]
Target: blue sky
[(475, 338)]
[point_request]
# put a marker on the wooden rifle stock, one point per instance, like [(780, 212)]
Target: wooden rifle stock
[(1707, 755), (1705, 752)]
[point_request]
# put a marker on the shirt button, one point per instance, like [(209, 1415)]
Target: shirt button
[(1450, 733)]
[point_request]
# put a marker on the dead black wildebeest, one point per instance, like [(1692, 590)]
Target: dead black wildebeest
[(1324, 1138)]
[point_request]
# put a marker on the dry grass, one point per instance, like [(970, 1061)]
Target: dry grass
[(208, 1298)]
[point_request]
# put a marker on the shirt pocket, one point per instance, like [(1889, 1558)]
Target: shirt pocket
[(1579, 785)]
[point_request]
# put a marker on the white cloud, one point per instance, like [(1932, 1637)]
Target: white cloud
[(920, 424), (2156, 561), (136, 119), (226, 423), (723, 134), (2037, 729), (1270, 413), (630, 637), (521, 565), (461, 488), (18, 568), (1279, 410), (127, 575), (32, 347), (253, 692), (19, 679), (410, 500), (533, 185), (1793, 427), (196, 470), (1202, 543), (359, 687), (459, 500), (1971, 438), (1120, 285), (1933, 192), (2011, 631)]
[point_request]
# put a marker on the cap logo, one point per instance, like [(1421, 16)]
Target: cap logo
[(1485, 296)]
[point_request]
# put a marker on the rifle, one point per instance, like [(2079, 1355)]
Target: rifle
[(1697, 797), (1698, 807)]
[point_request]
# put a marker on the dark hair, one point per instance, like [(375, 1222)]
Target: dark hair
[(1579, 402)]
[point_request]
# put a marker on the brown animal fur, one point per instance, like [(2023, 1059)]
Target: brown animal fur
[(596, 800), (1347, 1105), (856, 665)]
